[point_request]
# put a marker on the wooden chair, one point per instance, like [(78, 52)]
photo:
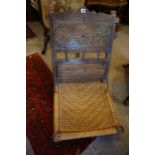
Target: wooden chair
[(82, 104), (55, 6)]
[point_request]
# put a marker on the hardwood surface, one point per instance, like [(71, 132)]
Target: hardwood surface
[(111, 3)]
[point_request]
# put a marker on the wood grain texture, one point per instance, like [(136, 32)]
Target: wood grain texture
[(77, 71), (110, 3)]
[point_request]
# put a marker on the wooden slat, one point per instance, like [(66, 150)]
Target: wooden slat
[(82, 73), (83, 49), (73, 66), (77, 71)]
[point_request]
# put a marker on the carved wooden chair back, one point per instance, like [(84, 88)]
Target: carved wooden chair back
[(86, 34)]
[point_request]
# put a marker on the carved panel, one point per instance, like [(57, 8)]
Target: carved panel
[(80, 32)]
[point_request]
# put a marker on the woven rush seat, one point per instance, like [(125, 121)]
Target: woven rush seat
[(82, 110)]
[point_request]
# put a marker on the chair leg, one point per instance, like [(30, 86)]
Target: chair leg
[(46, 40)]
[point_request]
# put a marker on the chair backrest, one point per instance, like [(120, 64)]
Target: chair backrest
[(81, 33)]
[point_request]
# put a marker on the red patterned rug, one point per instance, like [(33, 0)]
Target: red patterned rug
[(39, 112)]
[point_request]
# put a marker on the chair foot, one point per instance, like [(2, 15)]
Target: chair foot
[(43, 51)]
